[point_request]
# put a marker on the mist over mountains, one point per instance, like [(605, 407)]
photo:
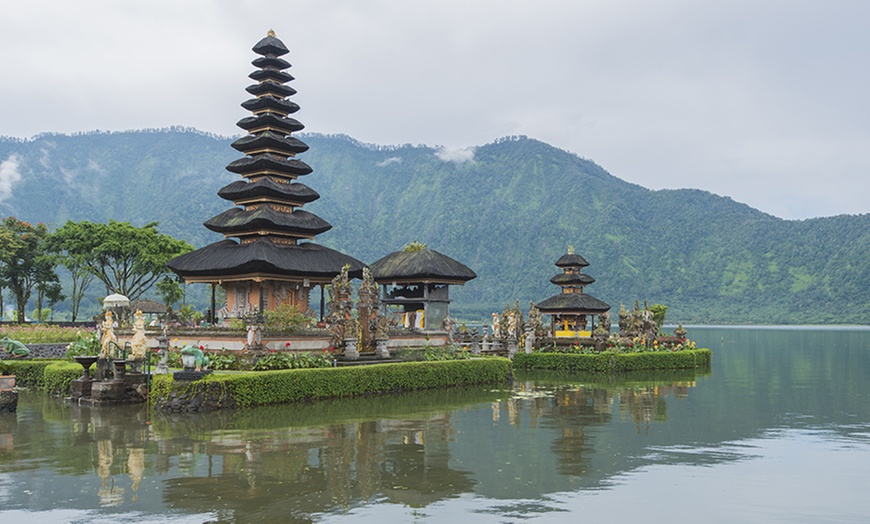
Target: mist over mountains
[(507, 209)]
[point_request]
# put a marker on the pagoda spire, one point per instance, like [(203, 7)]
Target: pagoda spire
[(269, 199)]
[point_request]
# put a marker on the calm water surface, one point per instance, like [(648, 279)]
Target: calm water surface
[(777, 431)]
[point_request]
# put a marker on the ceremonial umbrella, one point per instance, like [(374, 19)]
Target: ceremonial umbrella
[(115, 300)]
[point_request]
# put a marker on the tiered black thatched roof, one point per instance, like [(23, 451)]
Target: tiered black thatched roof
[(573, 302), (572, 299), (227, 257), (269, 199), (423, 265), (572, 279), (571, 260)]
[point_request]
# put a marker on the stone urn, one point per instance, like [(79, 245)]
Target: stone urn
[(86, 362), (120, 370)]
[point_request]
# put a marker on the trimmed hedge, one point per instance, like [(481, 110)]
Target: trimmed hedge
[(51, 376), (608, 362), (219, 391)]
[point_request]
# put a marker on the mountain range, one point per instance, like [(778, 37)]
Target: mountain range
[(508, 210)]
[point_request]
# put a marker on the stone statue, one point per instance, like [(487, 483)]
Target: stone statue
[(624, 320), (163, 364), (138, 344), (604, 323), (108, 338), (512, 325), (447, 325), (14, 348), (648, 326), (496, 326), (680, 332), (475, 342), (536, 320), (255, 336)]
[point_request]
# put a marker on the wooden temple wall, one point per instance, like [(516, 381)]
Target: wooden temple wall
[(243, 298)]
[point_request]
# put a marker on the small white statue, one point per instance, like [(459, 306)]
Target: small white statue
[(108, 338), (496, 325), (138, 344)]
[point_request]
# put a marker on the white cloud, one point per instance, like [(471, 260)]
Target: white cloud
[(388, 161), (455, 154), (9, 176)]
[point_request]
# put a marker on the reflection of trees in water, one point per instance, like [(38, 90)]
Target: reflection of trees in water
[(304, 471), (646, 404), (572, 410)]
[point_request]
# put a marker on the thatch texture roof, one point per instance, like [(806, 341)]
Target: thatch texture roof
[(424, 265), (270, 45), (579, 303), (268, 188), (227, 258), (286, 145), (148, 306), (571, 260), (267, 162), (567, 279), (237, 221)]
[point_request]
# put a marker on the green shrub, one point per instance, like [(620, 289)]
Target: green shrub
[(286, 318), (58, 375), (86, 343), (51, 376), (224, 362), (29, 373), (274, 387), (607, 361)]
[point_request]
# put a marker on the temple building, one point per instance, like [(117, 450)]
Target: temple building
[(572, 308), (267, 257), (416, 285)]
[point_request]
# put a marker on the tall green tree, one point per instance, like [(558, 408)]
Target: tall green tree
[(24, 264), (127, 259), (65, 247)]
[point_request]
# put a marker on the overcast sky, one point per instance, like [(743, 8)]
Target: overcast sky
[(767, 102)]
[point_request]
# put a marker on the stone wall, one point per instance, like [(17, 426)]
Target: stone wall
[(40, 351)]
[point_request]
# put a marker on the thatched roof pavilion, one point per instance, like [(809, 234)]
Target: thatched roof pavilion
[(570, 308), (416, 281)]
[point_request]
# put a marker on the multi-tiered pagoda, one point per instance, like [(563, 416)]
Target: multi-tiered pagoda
[(572, 308), (271, 262)]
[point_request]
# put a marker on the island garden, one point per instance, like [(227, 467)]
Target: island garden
[(265, 345)]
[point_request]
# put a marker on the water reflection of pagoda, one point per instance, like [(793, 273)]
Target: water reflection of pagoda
[(273, 261)]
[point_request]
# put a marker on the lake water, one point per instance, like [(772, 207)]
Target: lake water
[(777, 431)]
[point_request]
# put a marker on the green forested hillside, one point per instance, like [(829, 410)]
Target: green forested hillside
[(509, 214)]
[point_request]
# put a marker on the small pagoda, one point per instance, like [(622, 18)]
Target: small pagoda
[(266, 258), (417, 281), (572, 308)]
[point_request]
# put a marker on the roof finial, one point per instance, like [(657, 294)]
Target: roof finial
[(570, 250), (270, 33)]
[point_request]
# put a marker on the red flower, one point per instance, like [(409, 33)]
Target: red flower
[(271, 351), (200, 347), (287, 345)]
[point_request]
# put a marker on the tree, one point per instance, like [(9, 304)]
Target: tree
[(47, 284), (127, 259), (170, 291), (23, 264), (64, 245)]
